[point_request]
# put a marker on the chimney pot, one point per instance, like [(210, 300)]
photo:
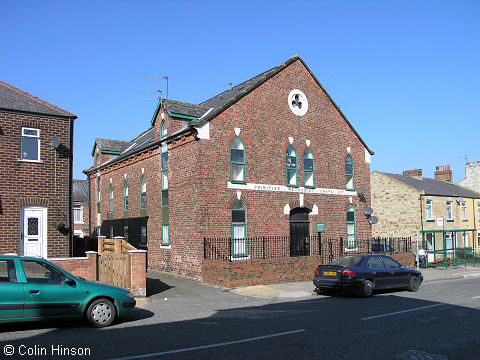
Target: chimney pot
[(443, 173)]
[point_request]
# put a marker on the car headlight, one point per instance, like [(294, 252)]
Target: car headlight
[(129, 294)]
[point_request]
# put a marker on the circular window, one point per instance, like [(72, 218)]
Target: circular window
[(298, 103)]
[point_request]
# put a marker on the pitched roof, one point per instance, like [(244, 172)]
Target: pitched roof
[(80, 190), (111, 146), (183, 108), (222, 101), (435, 187), (15, 99)]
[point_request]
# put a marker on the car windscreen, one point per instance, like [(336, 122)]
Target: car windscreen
[(349, 260)]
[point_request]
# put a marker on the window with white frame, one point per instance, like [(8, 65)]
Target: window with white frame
[(429, 210), (165, 236), (110, 199), (143, 193), (125, 196), (449, 211), (464, 210), (449, 241), (30, 144), (351, 231), (349, 173), (78, 213), (237, 160)]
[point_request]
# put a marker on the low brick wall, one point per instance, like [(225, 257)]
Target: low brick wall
[(271, 271), (407, 259), (85, 267), (255, 272)]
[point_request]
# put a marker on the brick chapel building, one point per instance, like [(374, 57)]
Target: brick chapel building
[(36, 141), (270, 158)]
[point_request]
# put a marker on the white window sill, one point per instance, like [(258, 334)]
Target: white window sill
[(165, 246), (351, 250), (79, 223), (30, 161), (240, 258)]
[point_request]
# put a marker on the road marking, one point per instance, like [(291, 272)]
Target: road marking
[(475, 297), (402, 312), (211, 345)]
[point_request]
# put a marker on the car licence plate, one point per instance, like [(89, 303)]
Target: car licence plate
[(329, 273)]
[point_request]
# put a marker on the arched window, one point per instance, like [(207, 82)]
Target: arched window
[(98, 194), (163, 130), (239, 229), (125, 196), (98, 159), (349, 173), (291, 166), (237, 160), (143, 193), (351, 235), (308, 168), (110, 199)]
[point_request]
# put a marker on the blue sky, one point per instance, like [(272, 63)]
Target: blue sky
[(405, 73)]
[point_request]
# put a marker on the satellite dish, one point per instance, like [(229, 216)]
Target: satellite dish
[(55, 142), (368, 211), (362, 191), (373, 220)]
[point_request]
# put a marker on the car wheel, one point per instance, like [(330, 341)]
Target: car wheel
[(101, 313), (367, 288), (414, 284)]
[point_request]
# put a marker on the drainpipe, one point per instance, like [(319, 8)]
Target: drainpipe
[(421, 214), (70, 182)]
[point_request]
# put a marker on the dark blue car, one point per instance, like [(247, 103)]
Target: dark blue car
[(362, 274)]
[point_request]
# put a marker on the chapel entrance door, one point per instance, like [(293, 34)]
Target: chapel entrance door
[(299, 232)]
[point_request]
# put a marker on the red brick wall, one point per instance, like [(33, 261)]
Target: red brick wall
[(33, 184), (254, 272), (407, 259), (83, 267)]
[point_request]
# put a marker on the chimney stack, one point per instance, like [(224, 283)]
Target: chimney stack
[(415, 173), (443, 173)]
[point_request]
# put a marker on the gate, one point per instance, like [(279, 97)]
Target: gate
[(114, 262), (114, 268)]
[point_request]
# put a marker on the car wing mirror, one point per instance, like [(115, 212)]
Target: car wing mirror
[(69, 281)]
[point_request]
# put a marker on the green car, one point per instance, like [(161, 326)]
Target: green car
[(35, 289)]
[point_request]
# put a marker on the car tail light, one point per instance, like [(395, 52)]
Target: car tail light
[(316, 272), (348, 273)]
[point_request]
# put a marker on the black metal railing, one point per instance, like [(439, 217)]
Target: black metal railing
[(271, 247)]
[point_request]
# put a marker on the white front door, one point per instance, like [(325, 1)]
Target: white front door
[(34, 231)]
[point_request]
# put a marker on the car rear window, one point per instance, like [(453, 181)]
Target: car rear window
[(349, 260)]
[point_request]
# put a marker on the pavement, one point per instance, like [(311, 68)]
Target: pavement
[(160, 287), (305, 289)]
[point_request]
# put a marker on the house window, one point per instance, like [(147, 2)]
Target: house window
[(449, 211), (163, 130), (351, 236), (464, 211), (30, 144), (478, 237), (143, 236), (125, 196), (429, 210), (449, 241), (308, 168), (165, 236), (164, 185), (98, 159), (125, 229), (291, 166), (237, 160), (349, 173), (110, 199), (478, 206), (143, 193), (98, 194), (239, 229), (78, 213)]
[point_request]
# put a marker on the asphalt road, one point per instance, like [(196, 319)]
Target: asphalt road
[(440, 321)]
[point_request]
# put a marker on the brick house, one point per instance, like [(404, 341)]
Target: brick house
[(36, 141), (447, 214), (272, 156), (81, 208)]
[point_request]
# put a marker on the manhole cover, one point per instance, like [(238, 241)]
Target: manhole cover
[(420, 355)]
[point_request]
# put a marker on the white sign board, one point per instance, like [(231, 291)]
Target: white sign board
[(440, 222)]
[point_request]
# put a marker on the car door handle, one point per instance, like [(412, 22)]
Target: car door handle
[(34, 291)]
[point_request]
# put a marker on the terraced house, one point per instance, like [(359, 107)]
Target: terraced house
[(448, 214), (234, 190), (36, 140)]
